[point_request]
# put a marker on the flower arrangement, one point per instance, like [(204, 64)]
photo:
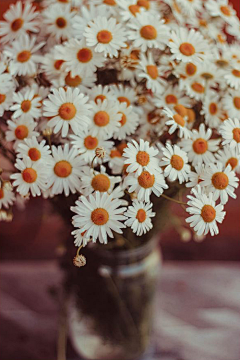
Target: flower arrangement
[(127, 104)]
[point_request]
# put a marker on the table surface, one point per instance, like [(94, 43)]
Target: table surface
[(198, 316)]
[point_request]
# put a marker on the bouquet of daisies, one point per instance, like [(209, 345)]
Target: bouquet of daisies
[(126, 104)]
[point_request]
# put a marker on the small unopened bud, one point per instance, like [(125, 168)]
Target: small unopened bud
[(185, 235), (100, 152), (47, 132), (79, 261)]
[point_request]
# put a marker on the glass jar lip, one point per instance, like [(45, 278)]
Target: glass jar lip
[(128, 255)]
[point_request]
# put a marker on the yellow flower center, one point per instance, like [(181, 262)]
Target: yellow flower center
[(236, 72), (21, 132), (148, 32), (123, 118), (191, 69), (72, 81), (146, 180), (29, 175), (198, 87), (104, 36), (181, 110), (233, 162), (177, 162), (220, 180), (84, 55), (34, 154), (109, 2), (67, 111), (236, 102), (100, 97), (121, 147), (90, 142), (143, 3), (61, 22), (134, 9), (225, 10), (2, 98), (152, 71), (187, 49), (101, 182), (207, 75), (141, 215), (23, 56), (63, 169), (17, 24), (58, 63), (200, 146), (143, 158), (191, 115), (179, 119), (213, 108), (115, 153), (236, 134), (122, 99), (99, 216), (171, 99), (26, 105), (208, 213), (101, 118)]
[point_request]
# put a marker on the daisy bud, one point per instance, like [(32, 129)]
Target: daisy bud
[(79, 261), (7, 186), (100, 152), (185, 235), (47, 132)]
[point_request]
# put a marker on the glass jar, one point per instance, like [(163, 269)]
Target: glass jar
[(110, 312)]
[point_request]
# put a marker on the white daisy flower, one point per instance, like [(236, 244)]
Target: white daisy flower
[(188, 46), (115, 161), (205, 214), (20, 129), (6, 100), (148, 31), (86, 144), (209, 72), (140, 157), (230, 131), (31, 178), (67, 109), (231, 103), (151, 72), (129, 121), (83, 83), (21, 53), (105, 35), (7, 196), (100, 92), (190, 8), (35, 150), (212, 109), (220, 181), (139, 217), (124, 94), (128, 9), (98, 215), (6, 80), (105, 118), (195, 88), (93, 180), (199, 147), (185, 70), (195, 177), (177, 122), (145, 183), (229, 156), (221, 8), (26, 104), (65, 170), (79, 237), (176, 164), (80, 59), (19, 19), (57, 20), (171, 96), (51, 65), (233, 76)]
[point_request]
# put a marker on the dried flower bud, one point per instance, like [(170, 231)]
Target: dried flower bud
[(7, 185), (47, 132), (100, 152), (79, 261)]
